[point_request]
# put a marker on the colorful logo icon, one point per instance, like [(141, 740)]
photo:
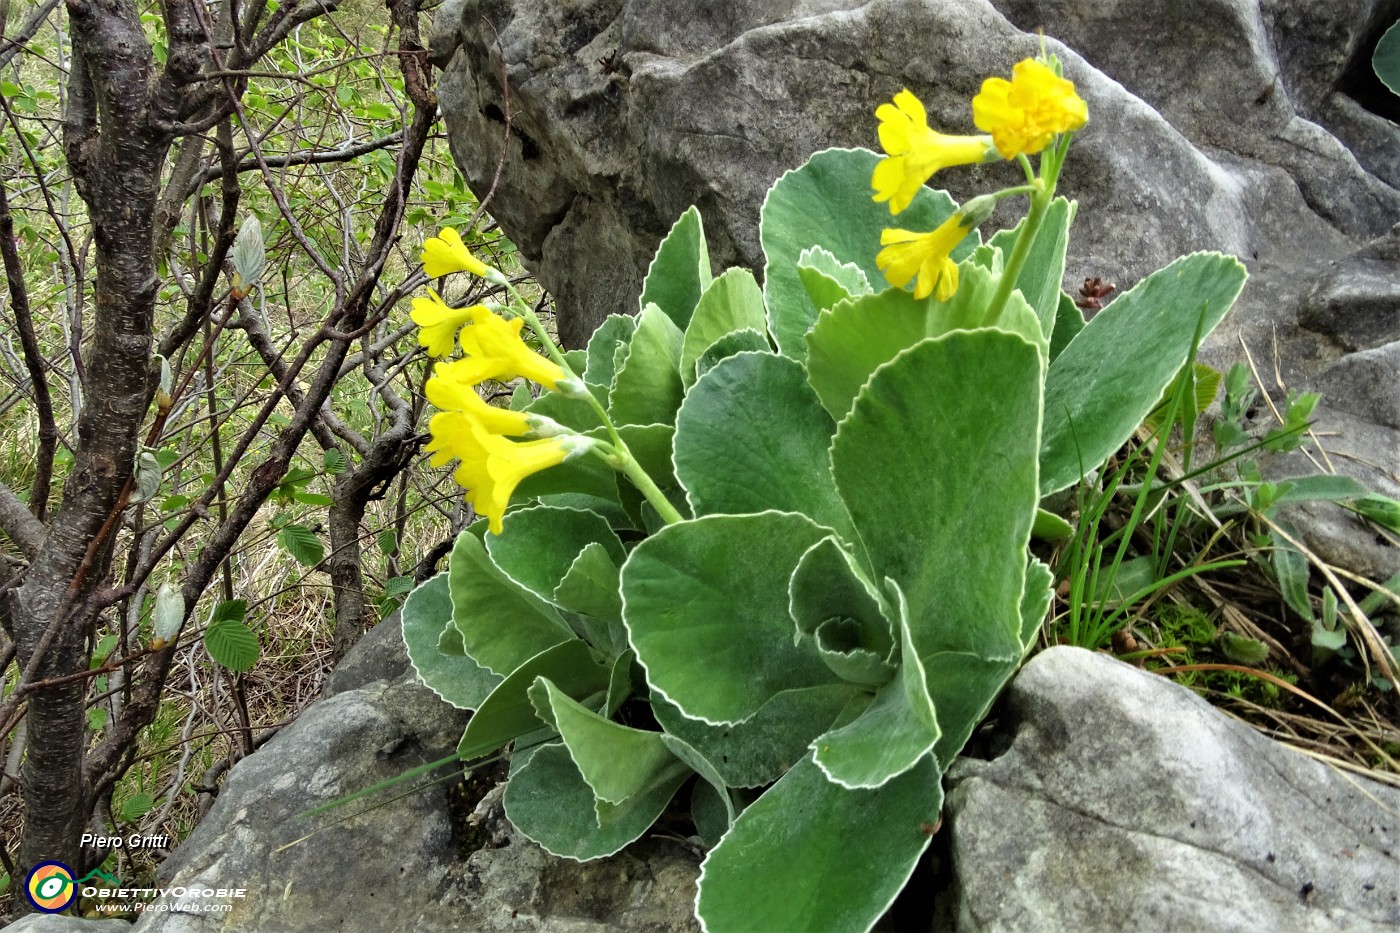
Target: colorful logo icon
[(50, 887)]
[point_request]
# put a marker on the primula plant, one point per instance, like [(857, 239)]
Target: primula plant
[(769, 545)]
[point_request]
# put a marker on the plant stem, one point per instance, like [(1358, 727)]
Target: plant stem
[(622, 459)]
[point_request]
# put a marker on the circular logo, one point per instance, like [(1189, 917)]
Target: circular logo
[(50, 887)]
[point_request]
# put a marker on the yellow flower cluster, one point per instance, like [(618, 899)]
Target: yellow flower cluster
[(467, 428), (1020, 116)]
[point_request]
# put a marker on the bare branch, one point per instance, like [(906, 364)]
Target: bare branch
[(33, 358), (19, 524), (10, 45), (343, 154)]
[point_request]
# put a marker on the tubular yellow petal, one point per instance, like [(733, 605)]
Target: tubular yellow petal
[(496, 344), (908, 254), (447, 253), (450, 392), (915, 151), (438, 323)]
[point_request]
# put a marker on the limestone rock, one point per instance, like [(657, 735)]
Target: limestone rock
[(396, 866), (1226, 125), (1125, 802)]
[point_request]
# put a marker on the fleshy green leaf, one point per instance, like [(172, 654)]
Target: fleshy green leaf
[(827, 587), (763, 747), (893, 733), (832, 859), (829, 280), (607, 341), (509, 713), (956, 542), (731, 302), (648, 387), (503, 624), (855, 337), (1069, 321), (616, 761), (537, 545), (232, 645), (705, 604), (1106, 381), (427, 621), (1044, 269), (590, 587), (736, 456), (1386, 59), (1035, 600), (827, 203), (548, 800), (680, 271), (729, 345)]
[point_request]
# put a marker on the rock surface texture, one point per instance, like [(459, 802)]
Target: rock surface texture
[(1234, 125), (1118, 801), (1125, 802), (396, 867)]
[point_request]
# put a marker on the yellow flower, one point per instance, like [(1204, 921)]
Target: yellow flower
[(908, 253), (1028, 111), (492, 466), (916, 151), (438, 323), (495, 350), (449, 391), (446, 253)]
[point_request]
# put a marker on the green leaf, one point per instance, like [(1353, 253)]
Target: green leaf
[(827, 587), (826, 203), (956, 545), (234, 609), (1035, 600), (751, 436), (705, 604), (648, 387), (334, 462), (612, 336), (247, 255), (1328, 640), (1050, 527), (1382, 510), (894, 732), (136, 806), (1111, 375), (680, 271), (731, 302), (502, 624), (232, 645), (427, 620), (168, 614), (508, 713), (312, 498), (301, 542), (1386, 60), (537, 545), (1243, 650), (851, 340), (765, 746), (831, 858), (1039, 282), (917, 436), (828, 280), (590, 587), (729, 345), (548, 800), (617, 762), (1291, 568)]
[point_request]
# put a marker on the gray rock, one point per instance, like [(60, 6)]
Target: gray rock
[(388, 865), (1217, 125), (1126, 802), (62, 923)]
